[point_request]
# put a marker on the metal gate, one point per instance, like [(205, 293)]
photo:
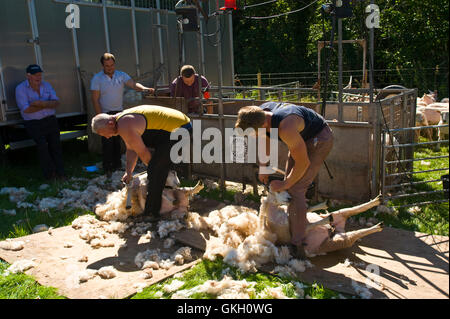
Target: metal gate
[(401, 174)]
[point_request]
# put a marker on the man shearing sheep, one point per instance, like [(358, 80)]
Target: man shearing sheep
[(142, 127), (309, 140)]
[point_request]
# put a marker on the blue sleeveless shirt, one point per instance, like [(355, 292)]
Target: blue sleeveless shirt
[(314, 122)]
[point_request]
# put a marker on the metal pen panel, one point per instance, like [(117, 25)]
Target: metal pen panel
[(58, 56), (15, 50), (121, 40), (91, 40), (146, 41)]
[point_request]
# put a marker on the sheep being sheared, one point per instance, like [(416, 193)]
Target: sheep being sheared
[(174, 200), (325, 233)]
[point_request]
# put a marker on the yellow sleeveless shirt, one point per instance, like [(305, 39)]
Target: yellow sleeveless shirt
[(159, 117)]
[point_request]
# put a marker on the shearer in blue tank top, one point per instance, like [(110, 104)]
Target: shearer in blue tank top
[(309, 140)]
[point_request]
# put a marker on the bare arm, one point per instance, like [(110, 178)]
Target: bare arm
[(138, 86), (95, 97), (134, 142)]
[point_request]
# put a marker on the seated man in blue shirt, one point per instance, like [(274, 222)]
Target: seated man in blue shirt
[(37, 101)]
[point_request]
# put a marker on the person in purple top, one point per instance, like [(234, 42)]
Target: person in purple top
[(37, 102), (186, 85)]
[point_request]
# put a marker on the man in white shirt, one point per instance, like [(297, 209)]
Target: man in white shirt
[(107, 88)]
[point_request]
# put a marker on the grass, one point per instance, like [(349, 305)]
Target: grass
[(428, 219), (21, 286)]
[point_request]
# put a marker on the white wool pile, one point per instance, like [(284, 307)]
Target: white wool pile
[(40, 228), (173, 286), (293, 267), (85, 275), (10, 212), (50, 202), (169, 242), (116, 227), (275, 293), (96, 232), (114, 208), (167, 226), (240, 238), (20, 266), (140, 228), (414, 210), (16, 195), (13, 245), (107, 272), (386, 210), (148, 264), (155, 259), (362, 291), (148, 255), (228, 288), (182, 255)]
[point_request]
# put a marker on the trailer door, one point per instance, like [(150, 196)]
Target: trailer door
[(19, 47)]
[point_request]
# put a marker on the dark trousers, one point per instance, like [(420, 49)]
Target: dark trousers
[(158, 167), (111, 152), (45, 133)]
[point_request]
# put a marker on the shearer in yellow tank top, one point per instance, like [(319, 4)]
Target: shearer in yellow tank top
[(158, 117), (143, 127)]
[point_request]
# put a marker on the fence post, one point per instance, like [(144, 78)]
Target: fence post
[(259, 84)]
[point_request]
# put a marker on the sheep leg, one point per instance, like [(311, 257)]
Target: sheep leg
[(321, 206), (346, 240), (324, 221), (348, 212)]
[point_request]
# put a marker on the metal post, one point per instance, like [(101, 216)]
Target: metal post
[(158, 22), (105, 24), (3, 102), (199, 46), (383, 164), (34, 31), (202, 51), (340, 111), (219, 84), (376, 121), (77, 64), (135, 40)]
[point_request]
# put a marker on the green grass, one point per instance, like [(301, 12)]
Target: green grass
[(21, 286), (432, 218)]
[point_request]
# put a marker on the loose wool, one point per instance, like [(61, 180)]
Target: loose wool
[(241, 237)]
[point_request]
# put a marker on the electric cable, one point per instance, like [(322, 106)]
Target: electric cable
[(258, 4), (282, 14)]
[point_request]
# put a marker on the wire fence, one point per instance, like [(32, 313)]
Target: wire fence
[(430, 79)]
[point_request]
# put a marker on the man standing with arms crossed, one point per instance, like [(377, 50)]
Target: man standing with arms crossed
[(107, 88)]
